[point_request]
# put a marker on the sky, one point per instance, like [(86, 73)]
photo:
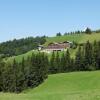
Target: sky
[(23, 18)]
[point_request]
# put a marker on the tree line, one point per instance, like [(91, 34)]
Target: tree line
[(16, 77), (87, 31), (29, 73), (20, 46), (87, 58)]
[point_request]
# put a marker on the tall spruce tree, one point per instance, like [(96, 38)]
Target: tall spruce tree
[(63, 63), (67, 61), (58, 62), (95, 55), (22, 76), (44, 65), (88, 57), (15, 72), (98, 57), (78, 60), (52, 68), (2, 65), (72, 65), (32, 69)]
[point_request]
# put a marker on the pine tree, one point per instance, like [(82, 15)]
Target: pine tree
[(72, 65), (67, 59), (6, 78), (88, 56), (14, 69), (98, 57), (2, 65), (63, 63), (22, 76), (57, 61), (52, 68), (44, 65), (59, 34), (78, 59), (88, 31), (32, 70), (40, 68), (95, 55)]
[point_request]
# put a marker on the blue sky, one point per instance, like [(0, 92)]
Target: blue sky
[(22, 18)]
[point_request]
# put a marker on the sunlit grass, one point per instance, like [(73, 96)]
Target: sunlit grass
[(70, 86)]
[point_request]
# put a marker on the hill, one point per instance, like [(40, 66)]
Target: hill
[(79, 38), (20, 46), (20, 57), (70, 86)]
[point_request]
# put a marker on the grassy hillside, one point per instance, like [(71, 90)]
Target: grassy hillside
[(79, 38), (19, 57), (28, 54), (70, 86)]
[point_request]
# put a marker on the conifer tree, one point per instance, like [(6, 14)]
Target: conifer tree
[(63, 63), (44, 65), (14, 76), (58, 61), (2, 65), (72, 65), (67, 59), (95, 55), (32, 69), (88, 31), (88, 57), (78, 59), (52, 64), (22, 76), (98, 57)]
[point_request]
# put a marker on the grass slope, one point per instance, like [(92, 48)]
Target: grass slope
[(19, 57), (79, 38), (70, 86)]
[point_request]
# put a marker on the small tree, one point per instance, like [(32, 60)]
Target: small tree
[(88, 31), (59, 34)]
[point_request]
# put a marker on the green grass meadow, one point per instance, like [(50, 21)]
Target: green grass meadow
[(65, 86), (79, 38)]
